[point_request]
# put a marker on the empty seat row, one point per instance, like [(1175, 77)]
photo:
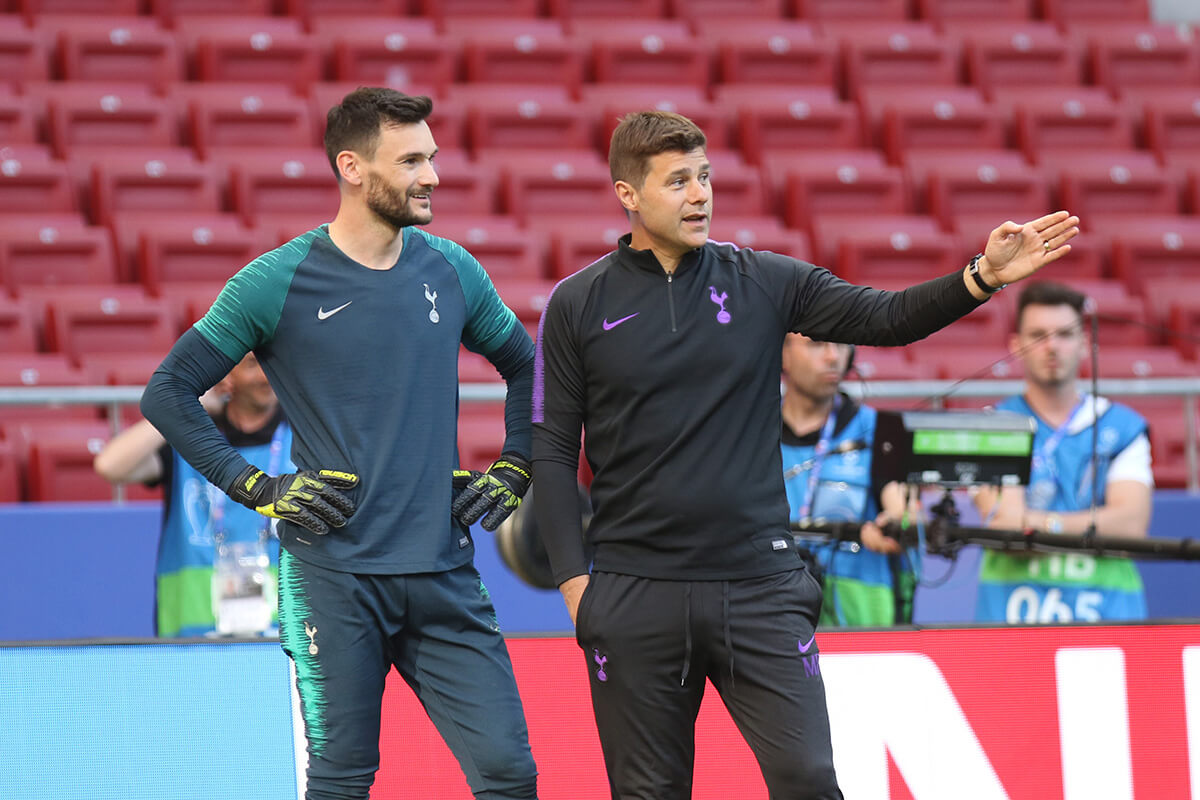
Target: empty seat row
[(450, 11), (734, 50)]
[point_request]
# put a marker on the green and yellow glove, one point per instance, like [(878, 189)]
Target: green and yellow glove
[(309, 498), (492, 495)]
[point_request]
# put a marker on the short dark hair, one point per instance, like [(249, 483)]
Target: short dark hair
[(643, 134), (1049, 293), (355, 123)]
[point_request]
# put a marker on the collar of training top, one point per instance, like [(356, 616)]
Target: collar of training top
[(645, 259)]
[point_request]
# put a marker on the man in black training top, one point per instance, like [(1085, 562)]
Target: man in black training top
[(358, 324), (667, 352)]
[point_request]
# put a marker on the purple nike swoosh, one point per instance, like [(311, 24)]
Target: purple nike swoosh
[(608, 326), (804, 647)]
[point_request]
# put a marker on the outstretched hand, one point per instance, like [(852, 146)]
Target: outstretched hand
[(1016, 251)]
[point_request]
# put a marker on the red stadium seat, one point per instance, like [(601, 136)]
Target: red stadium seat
[(504, 250), (1168, 445), (452, 9), (526, 297), (171, 11), (770, 51), (1067, 120), (17, 121), (1172, 121), (10, 474), (556, 184), (79, 326), (1020, 54), (17, 333), (121, 369), (45, 255), (1132, 56), (971, 11), (900, 59), (941, 126), (109, 119), (617, 100), (987, 326), (513, 122), (862, 249), (981, 187), (39, 369), (480, 434), (788, 120), (700, 10), (474, 368), (574, 244), (886, 364), (172, 252), (737, 184), (398, 53), (761, 233), (136, 184), (37, 8), (983, 361), (190, 301), (465, 187), (1173, 303), (127, 228), (34, 186), (1141, 255), (24, 54), (613, 9), (237, 118), (518, 51), (928, 107), (918, 164), (777, 163), (1120, 361), (259, 55), (651, 51), (314, 11), (60, 463), (1124, 189), (297, 183), (849, 9), (1069, 12), (121, 52), (830, 186)]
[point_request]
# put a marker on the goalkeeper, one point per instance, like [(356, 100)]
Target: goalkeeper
[(358, 324)]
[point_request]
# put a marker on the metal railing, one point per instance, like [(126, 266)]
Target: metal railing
[(1188, 389)]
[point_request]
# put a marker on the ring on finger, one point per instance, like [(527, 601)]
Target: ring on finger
[(1046, 246)]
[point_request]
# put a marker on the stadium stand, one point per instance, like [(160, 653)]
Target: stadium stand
[(149, 148)]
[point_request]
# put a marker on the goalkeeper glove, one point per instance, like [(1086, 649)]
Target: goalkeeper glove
[(494, 494), (308, 498)]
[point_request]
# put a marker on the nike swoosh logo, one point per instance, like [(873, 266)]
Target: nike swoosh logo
[(323, 314), (608, 326), (804, 647)]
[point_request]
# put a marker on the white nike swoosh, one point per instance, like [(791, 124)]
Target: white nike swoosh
[(323, 314)]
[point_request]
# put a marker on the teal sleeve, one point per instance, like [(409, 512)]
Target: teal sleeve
[(246, 312)]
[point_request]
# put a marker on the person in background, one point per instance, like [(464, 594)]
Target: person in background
[(1017, 588), (201, 590), (826, 441)]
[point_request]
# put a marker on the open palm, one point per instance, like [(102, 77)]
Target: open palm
[(1015, 251)]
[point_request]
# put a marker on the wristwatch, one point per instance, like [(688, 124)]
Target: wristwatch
[(1054, 523), (973, 270)]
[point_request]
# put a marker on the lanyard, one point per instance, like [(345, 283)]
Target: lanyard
[(1045, 454), (217, 498), (818, 459)]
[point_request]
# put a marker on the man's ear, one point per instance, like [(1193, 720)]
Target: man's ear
[(627, 195), (1014, 344), (349, 167)]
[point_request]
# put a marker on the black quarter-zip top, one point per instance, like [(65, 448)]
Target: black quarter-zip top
[(682, 429)]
